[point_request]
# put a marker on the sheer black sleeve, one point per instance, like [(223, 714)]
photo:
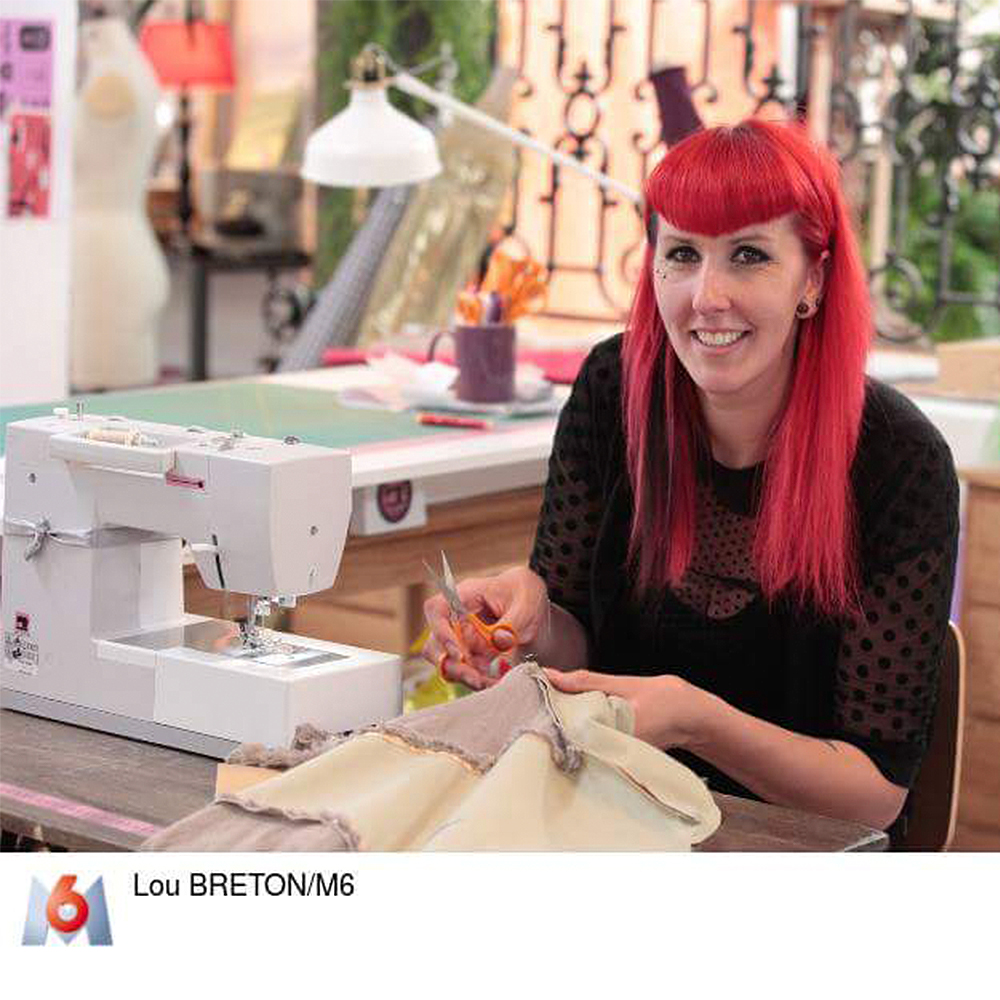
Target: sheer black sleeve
[(887, 669), (574, 496)]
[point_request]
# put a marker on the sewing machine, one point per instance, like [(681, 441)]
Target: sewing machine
[(94, 627)]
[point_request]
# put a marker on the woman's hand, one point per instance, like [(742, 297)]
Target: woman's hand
[(667, 709), (516, 596)]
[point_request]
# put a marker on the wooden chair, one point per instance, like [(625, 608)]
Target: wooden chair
[(933, 800)]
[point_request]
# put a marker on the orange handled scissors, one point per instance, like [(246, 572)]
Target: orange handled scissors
[(470, 308), (494, 634)]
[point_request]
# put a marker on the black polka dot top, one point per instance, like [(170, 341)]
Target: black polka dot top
[(870, 682)]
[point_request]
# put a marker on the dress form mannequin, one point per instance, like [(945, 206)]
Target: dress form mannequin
[(120, 276)]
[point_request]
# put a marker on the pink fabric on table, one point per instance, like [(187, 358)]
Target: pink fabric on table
[(559, 366), (333, 356)]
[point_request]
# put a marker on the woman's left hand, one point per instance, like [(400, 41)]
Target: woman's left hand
[(667, 708)]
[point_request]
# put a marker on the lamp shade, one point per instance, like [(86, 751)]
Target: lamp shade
[(189, 54), (370, 144)]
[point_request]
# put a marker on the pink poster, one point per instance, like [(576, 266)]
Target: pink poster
[(26, 68), (29, 166)]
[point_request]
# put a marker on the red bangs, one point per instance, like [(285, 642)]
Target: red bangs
[(723, 179)]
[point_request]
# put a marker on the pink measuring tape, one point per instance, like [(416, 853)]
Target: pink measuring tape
[(66, 807)]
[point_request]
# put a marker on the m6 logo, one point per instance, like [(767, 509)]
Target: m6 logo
[(67, 912)]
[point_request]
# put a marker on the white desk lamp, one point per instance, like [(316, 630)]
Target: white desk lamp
[(371, 144)]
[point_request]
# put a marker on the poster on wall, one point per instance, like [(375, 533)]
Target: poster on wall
[(26, 72)]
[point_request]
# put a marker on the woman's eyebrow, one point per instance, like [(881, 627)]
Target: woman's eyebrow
[(671, 234), (758, 236)]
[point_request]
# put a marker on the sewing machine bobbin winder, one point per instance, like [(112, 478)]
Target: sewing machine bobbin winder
[(94, 627)]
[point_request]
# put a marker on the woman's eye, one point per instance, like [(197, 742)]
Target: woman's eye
[(682, 255), (749, 255)]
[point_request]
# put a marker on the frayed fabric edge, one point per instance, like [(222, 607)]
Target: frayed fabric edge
[(310, 741), (343, 829), (571, 754), (578, 752), (280, 758), (479, 762), (565, 754)]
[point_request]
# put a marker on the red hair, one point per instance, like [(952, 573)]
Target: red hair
[(716, 181)]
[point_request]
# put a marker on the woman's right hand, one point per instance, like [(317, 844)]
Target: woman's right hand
[(517, 597)]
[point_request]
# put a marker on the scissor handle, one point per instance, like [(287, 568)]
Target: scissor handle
[(463, 651), (490, 633)]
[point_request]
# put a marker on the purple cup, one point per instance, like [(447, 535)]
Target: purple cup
[(485, 359)]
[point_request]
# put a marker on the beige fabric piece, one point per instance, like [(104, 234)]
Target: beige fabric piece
[(519, 767)]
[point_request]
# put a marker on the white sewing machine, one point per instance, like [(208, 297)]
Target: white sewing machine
[(94, 628)]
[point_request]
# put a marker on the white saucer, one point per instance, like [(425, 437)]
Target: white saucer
[(447, 400)]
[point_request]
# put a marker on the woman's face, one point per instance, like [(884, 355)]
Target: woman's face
[(728, 303)]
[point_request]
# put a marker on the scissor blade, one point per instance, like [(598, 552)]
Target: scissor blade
[(449, 579), (448, 591)]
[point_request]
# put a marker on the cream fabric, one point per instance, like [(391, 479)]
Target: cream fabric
[(531, 769)]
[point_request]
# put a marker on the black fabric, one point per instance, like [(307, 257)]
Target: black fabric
[(871, 683)]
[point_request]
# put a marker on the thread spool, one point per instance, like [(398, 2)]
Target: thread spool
[(131, 438)]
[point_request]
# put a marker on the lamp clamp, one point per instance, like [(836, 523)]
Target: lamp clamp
[(373, 65)]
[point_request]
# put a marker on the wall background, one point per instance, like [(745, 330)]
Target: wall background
[(35, 253)]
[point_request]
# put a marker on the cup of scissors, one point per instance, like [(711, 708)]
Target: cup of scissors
[(484, 334), (484, 355), (500, 637)]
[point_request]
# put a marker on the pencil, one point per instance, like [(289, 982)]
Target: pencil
[(441, 420)]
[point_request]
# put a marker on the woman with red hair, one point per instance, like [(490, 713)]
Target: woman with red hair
[(744, 537)]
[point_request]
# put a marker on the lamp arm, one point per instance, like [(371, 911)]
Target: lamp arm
[(417, 88)]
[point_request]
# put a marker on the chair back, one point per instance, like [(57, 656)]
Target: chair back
[(933, 800)]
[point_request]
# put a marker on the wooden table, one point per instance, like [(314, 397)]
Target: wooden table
[(89, 791)]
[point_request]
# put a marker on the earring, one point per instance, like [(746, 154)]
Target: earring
[(803, 309)]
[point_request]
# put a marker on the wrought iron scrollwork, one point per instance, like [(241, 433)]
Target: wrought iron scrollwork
[(935, 128)]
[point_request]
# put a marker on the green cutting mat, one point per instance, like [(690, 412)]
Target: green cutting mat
[(257, 408)]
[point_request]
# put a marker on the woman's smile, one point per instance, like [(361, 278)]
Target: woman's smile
[(719, 341)]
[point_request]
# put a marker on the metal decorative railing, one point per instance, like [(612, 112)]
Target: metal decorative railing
[(937, 128), (906, 93)]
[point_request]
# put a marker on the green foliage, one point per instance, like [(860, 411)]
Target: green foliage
[(411, 31), (973, 259)]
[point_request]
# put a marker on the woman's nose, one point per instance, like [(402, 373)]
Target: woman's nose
[(710, 294)]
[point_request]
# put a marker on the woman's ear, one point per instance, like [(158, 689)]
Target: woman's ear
[(816, 278)]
